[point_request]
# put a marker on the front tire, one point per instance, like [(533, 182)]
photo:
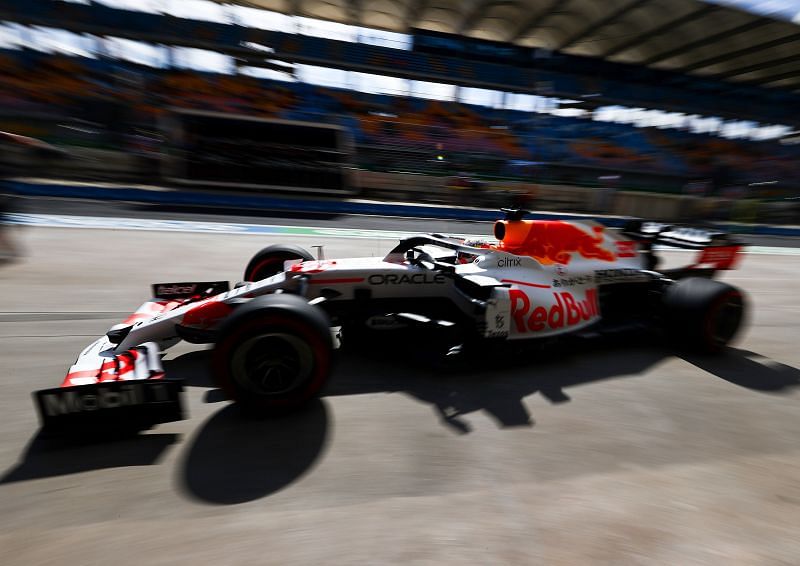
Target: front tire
[(269, 261), (702, 314), (273, 354)]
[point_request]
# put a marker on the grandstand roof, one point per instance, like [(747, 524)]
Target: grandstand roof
[(688, 36)]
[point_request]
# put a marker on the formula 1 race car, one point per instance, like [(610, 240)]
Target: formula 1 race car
[(274, 334)]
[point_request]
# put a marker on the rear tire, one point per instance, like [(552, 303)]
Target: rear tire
[(273, 354), (702, 314), (269, 261)]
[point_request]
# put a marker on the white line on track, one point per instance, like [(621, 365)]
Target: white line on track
[(94, 222)]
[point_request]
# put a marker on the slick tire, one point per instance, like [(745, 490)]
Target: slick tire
[(703, 315), (273, 354), (269, 261)]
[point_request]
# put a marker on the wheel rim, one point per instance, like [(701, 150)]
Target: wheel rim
[(272, 363), (726, 319)]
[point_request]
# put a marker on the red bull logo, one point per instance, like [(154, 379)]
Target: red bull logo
[(565, 312), (551, 241)]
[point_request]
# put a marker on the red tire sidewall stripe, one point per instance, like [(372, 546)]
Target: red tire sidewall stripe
[(713, 312), (321, 362)]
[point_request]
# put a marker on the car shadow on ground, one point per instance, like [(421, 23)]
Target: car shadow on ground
[(47, 457), (749, 370), (496, 385), (499, 385), (232, 459)]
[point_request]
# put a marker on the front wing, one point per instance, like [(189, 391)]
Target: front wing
[(106, 393), (107, 408), (117, 383)]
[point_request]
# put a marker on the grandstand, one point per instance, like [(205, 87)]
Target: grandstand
[(559, 92)]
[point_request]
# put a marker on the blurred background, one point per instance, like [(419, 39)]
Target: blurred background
[(150, 141), (679, 109)]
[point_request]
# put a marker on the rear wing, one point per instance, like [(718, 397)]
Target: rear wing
[(718, 250)]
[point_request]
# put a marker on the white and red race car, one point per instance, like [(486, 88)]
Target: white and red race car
[(275, 334)]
